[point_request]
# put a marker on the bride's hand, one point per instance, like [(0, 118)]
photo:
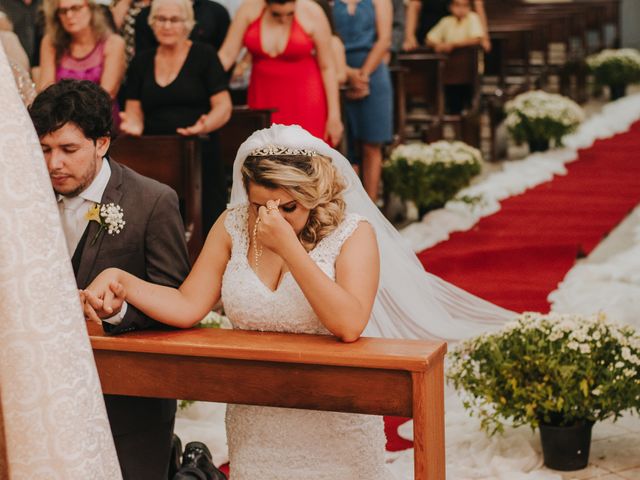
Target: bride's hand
[(105, 294), (274, 232), (105, 307)]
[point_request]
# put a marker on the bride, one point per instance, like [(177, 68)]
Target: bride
[(302, 249)]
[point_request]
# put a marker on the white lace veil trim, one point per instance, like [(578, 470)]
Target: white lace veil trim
[(410, 303)]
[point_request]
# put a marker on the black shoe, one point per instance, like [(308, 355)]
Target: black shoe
[(176, 454), (197, 458)]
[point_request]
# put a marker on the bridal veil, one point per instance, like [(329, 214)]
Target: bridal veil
[(411, 303)]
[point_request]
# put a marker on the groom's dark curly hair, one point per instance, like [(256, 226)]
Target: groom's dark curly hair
[(80, 102)]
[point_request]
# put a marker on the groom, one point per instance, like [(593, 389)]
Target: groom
[(73, 120)]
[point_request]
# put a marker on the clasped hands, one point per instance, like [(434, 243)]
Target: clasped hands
[(105, 304), (358, 86)]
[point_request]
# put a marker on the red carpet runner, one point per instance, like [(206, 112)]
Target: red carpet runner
[(517, 256)]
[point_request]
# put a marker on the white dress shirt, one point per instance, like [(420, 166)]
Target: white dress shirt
[(73, 212)]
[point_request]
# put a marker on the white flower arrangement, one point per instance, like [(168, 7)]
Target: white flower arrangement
[(109, 216), (553, 369), (437, 152), (616, 67), (431, 174), (625, 55), (540, 116)]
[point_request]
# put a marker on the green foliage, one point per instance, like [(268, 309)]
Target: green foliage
[(540, 116), (431, 175), (554, 369), (536, 129), (184, 404), (616, 67)]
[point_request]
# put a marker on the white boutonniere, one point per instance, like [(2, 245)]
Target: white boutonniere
[(109, 216)]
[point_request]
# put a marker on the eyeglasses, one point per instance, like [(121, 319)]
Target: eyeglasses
[(62, 11), (172, 21)]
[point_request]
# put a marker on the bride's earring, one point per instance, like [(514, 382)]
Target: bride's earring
[(257, 248)]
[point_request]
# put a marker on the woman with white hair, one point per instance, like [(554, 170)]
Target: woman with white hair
[(180, 87)]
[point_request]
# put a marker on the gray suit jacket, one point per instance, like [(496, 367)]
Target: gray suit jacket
[(151, 246)]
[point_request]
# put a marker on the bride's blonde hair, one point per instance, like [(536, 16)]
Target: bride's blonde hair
[(312, 181)]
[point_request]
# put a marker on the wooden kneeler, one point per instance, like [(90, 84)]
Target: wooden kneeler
[(317, 372)]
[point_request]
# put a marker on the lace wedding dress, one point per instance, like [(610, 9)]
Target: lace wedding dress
[(280, 443)]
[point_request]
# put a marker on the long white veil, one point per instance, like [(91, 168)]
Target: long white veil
[(411, 303)]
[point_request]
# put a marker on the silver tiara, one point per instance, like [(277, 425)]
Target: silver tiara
[(269, 150)]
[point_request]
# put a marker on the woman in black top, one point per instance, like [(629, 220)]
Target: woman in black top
[(180, 87)]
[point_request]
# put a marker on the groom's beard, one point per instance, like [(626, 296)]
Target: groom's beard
[(85, 180)]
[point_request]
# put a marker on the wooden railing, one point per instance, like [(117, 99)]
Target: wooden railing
[(318, 372)]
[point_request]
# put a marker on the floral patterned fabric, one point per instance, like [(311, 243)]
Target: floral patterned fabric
[(55, 424)]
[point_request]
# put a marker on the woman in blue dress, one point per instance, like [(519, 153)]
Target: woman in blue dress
[(365, 28)]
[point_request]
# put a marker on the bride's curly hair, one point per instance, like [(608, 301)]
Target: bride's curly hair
[(312, 181)]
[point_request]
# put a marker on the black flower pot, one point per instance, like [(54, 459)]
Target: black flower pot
[(538, 145), (617, 91), (566, 448)]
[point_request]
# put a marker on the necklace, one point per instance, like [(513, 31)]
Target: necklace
[(257, 248)]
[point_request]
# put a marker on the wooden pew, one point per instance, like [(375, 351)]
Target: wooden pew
[(175, 161), (462, 67), (581, 26), (510, 57), (318, 372), (424, 93), (398, 74), (243, 122)]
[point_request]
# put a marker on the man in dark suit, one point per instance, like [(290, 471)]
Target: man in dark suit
[(73, 120)]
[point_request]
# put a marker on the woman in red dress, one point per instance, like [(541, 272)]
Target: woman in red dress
[(293, 68)]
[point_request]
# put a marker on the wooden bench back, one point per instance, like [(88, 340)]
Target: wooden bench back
[(315, 372), (174, 161), (462, 67), (243, 122), (423, 80)]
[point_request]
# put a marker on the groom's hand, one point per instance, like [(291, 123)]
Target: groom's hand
[(107, 306), (89, 312)]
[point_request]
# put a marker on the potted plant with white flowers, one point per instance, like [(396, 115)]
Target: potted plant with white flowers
[(430, 175), (616, 69), (559, 373), (538, 117)]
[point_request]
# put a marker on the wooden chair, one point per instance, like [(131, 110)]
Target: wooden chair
[(317, 372), (174, 161)]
